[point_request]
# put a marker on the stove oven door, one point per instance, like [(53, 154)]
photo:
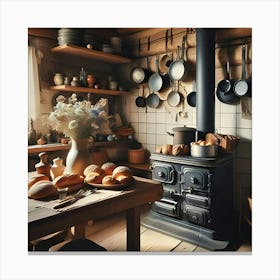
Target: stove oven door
[(197, 179), (166, 207), (163, 172), (196, 215)]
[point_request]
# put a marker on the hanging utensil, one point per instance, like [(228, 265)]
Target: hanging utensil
[(177, 68), (191, 98), (224, 89), (174, 97), (152, 100), (140, 75), (141, 100), (241, 87), (158, 82)]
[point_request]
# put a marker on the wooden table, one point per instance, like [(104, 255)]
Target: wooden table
[(44, 221)]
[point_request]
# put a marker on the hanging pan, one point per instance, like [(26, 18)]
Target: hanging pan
[(153, 100), (141, 100), (140, 75), (177, 67), (191, 98), (224, 89), (158, 82), (241, 87), (174, 97)]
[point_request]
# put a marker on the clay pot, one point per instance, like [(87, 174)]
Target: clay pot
[(58, 79)]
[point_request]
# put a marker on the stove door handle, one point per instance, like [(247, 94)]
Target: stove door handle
[(193, 180)]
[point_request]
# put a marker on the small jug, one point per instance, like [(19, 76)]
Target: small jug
[(57, 168)]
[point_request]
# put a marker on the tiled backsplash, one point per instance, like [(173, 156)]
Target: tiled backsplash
[(151, 127)]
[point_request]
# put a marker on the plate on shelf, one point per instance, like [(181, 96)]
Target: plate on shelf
[(112, 187)]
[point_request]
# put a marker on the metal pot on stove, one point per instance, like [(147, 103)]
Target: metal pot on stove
[(183, 135)]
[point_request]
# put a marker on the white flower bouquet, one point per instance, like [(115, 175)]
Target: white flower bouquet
[(79, 119)]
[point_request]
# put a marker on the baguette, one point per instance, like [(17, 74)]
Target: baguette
[(42, 189), (70, 181), (36, 178)]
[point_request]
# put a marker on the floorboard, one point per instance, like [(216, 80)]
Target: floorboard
[(111, 234)]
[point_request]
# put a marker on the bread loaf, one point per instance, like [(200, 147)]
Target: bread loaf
[(167, 149), (36, 178), (123, 179), (71, 181), (108, 180), (92, 168), (42, 189), (94, 178), (108, 167), (122, 170)]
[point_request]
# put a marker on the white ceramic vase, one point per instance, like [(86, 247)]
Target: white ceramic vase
[(78, 157)]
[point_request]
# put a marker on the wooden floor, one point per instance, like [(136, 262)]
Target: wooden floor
[(111, 234)]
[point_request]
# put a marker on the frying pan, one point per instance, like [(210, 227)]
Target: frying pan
[(191, 98), (241, 87), (141, 100), (224, 89), (158, 82), (140, 75), (174, 97), (153, 100), (177, 67)]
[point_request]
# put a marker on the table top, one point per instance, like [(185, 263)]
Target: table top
[(44, 220)]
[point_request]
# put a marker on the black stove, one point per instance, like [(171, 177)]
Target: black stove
[(198, 203)]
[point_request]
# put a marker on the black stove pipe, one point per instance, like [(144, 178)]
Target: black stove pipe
[(205, 79)]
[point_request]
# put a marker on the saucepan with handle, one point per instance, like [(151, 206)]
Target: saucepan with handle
[(158, 82), (241, 86)]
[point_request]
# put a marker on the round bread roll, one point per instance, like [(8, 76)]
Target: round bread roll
[(94, 178), (108, 167), (123, 179), (122, 170), (108, 180), (159, 149), (36, 178), (70, 180), (92, 168), (167, 149), (185, 151), (42, 189)]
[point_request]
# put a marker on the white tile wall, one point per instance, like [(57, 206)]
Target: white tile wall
[(151, 127)]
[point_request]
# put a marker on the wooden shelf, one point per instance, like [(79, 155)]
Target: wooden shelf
[(34, 149), (89, 90), (91, 54)]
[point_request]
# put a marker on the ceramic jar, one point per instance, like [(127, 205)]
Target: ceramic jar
[(43, 167), (75, 81), (58, 79), (90, 81), (57, 168)]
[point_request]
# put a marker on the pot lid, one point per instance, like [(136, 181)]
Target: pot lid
[(183, 129)]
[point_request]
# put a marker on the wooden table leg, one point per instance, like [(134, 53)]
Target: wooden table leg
[(80, 231), (133, 229)]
